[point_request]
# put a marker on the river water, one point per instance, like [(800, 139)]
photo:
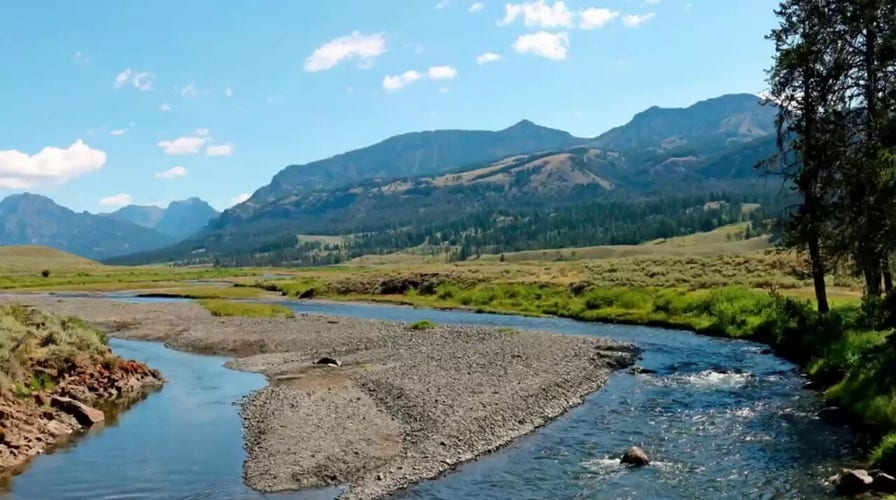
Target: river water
[(720, 418)]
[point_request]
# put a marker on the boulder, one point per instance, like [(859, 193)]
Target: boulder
[(84, 414), (636, 457), (640, 370), (833, 415), (328, 361), (853, 482), (884, 483)]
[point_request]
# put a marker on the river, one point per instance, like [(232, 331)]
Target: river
[(720, 418)]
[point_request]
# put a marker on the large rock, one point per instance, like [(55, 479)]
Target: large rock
[(328, 361), (635, 456), (834, 416), (84, 414), (853, 482), (884, 483)]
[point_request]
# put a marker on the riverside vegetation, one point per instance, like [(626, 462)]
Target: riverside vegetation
[(762, 295), (51, 368)]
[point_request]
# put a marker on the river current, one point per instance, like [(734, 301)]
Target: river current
[(719, 418)]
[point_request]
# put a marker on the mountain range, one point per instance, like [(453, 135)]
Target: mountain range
[(454, 186), (179, 220), (29, 219), (445, 185)]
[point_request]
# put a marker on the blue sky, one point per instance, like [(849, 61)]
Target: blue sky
[(105, 103)]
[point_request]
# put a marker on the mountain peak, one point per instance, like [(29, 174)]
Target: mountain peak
[(524, 125)]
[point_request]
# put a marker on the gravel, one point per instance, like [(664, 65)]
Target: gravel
[(404, 406)]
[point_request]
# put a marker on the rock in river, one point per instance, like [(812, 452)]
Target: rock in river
[(84, 414), (853, 482), (884, 483), (635, 456)]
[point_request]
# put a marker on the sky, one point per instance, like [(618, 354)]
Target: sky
[(107, 103)]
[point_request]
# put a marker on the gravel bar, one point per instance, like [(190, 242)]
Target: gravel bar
[(404, 405)]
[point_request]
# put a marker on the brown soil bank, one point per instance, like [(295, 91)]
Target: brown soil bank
[(404, 405), (53, 371)]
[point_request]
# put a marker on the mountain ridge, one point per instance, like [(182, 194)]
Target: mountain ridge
[(179, 220), (30, 219)]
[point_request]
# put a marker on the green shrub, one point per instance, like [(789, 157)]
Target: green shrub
[(884, 455), (422, 325)]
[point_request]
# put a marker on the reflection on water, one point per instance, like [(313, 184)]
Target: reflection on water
[(719, 418), (184, 441)]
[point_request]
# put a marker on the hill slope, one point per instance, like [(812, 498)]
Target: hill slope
[(407, 155), (390, 198), (34, 259), (706, 127), (28, 219)]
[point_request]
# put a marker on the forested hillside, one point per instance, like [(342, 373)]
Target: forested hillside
[(640, 181)]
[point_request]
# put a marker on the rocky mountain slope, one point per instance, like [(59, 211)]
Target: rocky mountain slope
[(28, 219)]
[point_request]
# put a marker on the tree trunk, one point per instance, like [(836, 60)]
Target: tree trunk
[(872, 280), (888, 275), (821, 294)]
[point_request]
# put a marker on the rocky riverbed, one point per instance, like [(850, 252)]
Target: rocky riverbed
[(403, 405)]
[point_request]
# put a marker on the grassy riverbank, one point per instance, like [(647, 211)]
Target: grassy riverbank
[(35, 347), (219, 307)]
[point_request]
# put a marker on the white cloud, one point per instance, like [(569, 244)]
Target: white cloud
[(539, 13), (399, 81), (120, 131), (164, 107), (51, 165), (171, 173), (442, 73), (219, 150), (189, 90), (594, 18), (240, 198), (228, 92), (116, 200), (442, 4), (444, 90), (543, 44), (353, 46), (488, 57), (477, 6), (140, 80), (635, 20), (688, 7), (187, 145)]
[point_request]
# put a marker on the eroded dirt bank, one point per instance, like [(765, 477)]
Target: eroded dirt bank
[(57, 378), (405, 405)]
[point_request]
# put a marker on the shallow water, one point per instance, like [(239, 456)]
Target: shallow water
[(184, 441), (719, 418)]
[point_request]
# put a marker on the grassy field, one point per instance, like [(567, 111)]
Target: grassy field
[(726, 240)]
